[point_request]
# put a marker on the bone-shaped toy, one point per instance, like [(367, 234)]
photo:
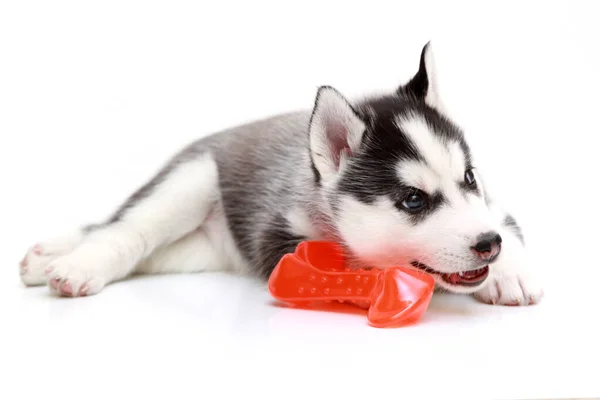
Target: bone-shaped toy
[(316, 272)]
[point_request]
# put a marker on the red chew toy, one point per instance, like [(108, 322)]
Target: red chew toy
[(316, 272)]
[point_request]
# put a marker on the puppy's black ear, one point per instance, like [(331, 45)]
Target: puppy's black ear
[(424, 84), (335, 133)]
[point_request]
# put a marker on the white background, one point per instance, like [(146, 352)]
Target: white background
[(94, 96)]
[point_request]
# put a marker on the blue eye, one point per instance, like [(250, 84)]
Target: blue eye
[(414, 201), (469, 177)]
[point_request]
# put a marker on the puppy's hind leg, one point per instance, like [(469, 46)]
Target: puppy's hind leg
[(192, 253), (175, 203)]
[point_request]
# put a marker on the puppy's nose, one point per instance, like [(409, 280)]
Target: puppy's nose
[(488, 246)]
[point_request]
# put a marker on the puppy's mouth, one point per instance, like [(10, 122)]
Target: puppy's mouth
[(472, 277)]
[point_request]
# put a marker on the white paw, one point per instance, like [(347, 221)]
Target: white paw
[(33, 266), (79, 273), (512, 288)]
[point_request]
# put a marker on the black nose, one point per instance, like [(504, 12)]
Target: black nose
[(488, 246)]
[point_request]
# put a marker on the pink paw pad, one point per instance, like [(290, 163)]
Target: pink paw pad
[(65, 289), (37, 249), (62, 287)]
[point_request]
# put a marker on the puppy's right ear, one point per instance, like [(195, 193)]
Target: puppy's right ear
[(335, 133)]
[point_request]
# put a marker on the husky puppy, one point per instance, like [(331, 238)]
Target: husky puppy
[(390, 177)]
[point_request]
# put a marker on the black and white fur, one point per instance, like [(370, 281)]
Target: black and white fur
[(240, 199)]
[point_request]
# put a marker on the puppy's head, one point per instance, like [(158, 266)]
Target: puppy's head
[(400, 183)]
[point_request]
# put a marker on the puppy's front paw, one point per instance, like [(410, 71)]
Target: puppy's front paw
[(80, 273), (33, 266), (514, 288)]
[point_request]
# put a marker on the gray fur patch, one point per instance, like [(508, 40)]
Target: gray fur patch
[(511, 224)]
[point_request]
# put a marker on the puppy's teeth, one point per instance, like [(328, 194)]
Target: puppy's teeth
[(460, 274)]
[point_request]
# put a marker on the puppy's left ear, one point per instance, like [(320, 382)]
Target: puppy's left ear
[(424, 85), (335, 133)]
